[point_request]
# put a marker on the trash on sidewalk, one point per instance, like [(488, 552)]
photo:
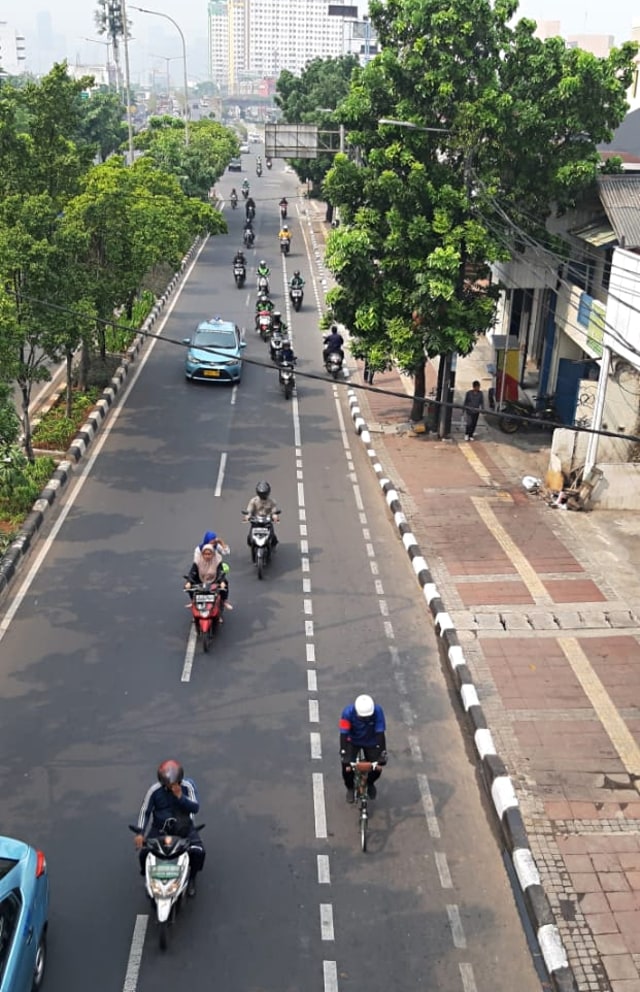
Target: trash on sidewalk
[(574, 493), (531, 483)]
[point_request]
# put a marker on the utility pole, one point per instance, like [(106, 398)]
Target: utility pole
[(127, 77)]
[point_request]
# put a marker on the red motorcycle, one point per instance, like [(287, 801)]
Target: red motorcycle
[(265, 324), (207, 607)]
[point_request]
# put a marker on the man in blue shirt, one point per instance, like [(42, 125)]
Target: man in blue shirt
[(362, 726), (169, 807)]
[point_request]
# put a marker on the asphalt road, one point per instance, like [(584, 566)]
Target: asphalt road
[(97, 686)]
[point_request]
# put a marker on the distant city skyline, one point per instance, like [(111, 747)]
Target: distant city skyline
[(57, 31)]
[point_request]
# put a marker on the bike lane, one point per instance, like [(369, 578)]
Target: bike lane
[(553, 645)]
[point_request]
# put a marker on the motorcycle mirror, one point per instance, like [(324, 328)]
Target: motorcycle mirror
[(186, 340)]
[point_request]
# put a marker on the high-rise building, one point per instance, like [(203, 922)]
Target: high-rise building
[(12, 50), (253, 39)]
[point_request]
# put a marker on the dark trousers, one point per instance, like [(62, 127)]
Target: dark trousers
[(368, 373), (471, 422), (197, 853), (370, 754)]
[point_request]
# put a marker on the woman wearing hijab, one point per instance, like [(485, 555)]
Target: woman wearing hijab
[(207, 567)]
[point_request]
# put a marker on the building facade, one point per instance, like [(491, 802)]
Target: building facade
[(256, 39), (12, 50)]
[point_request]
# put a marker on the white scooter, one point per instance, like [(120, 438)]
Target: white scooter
[(167, 873)]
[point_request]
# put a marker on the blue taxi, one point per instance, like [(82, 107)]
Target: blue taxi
[(24, 912)]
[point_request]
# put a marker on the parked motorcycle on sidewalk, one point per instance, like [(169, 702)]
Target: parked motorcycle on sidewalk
[(260, 540), (296, 295), (287, 378), (544, 415), (166, 872)]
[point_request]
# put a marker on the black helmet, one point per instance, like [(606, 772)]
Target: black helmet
[(263, 489), (333, 329), (170, 772)]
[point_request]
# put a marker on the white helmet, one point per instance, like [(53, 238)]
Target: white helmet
[(365, 706)]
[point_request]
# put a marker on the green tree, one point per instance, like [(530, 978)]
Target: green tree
[(309, 99), (198, 165), (498, 116), (102, 125)]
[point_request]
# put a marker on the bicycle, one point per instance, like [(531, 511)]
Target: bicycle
[(361, 769)]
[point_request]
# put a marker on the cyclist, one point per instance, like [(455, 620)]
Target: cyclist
[(362, 727)]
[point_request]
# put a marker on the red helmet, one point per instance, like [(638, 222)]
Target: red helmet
[(170, 772)]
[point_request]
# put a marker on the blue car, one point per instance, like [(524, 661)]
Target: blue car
[(24, 911), (215, 352)]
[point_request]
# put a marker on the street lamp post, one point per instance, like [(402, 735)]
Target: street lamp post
[(167, 60), (448, 361), (157, 13), (107, 45)]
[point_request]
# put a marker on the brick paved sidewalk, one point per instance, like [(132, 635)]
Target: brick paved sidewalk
[(555, 653)]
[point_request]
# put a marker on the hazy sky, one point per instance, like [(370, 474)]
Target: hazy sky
[(72, 20)]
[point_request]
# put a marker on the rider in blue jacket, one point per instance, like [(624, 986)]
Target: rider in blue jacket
[(362, 726), (169, 807)]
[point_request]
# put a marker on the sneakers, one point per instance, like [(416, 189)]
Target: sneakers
[(466, 437), (349, 796), (228, 606), (372, 792)]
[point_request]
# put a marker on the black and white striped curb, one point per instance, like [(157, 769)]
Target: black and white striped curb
[(23, 543), (494, 771)]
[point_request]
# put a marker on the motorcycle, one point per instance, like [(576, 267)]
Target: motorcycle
[(166, 872), (248, 237), (287, 379), (283, 211), (250, 211), (263, 285), (269, 163), (239, 274), (333, 364), (275, 346), (296, 295), (207, 607), (260, 540), (258, 170), (544, 414), (285, 245), (245, 192), (234, 202), (265, 320)]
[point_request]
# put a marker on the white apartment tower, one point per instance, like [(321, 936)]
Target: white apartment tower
[(12, 50), (260, 38)]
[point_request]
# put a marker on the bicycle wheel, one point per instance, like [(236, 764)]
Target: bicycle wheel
[(364, 823)]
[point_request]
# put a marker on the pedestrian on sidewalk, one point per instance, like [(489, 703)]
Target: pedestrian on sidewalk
[(474, 403), (368, 372)]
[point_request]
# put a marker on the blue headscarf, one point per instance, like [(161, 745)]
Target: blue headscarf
[(209, 538)]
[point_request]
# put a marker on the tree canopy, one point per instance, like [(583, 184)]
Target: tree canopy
[(196, 166), (77, 239), (489, 114), (310, 99)]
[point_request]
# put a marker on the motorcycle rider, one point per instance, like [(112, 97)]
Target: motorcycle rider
[(333, 343), (362, 725), (284, 234), (278, 325), (245, 187), (172, 797), (250, 208), (263, 305), (234, 196), (239, 259), (263, 269), (248, 234), (283, 207), (287, 354), (296, 281), (262, 505), (208, 567)]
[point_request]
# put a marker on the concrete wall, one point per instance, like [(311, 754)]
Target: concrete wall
[(619, 489)]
